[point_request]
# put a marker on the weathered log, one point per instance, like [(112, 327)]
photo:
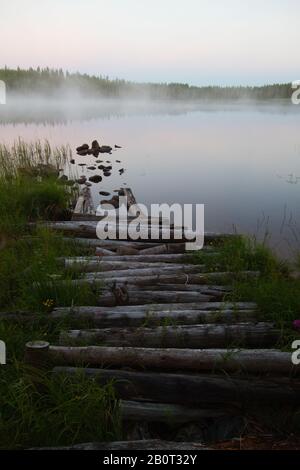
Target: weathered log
[(165, 258), (125, 250), (254, 361), (182, 336), (194, 389), (180, 279), (167, 413), (110, 244), (105, 254), (109, 298), (91, 264), (37, 354), (87, 229), (210, 306), (115, 318), (205, 289), (84, 204), (217, 309), (157, 270), (166, 248), (145, 444)]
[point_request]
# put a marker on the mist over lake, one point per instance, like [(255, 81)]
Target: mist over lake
[(242, 159)]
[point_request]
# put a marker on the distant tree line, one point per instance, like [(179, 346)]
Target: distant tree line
[(46, 81)]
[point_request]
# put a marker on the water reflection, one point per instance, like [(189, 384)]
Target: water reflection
[(242, 162)]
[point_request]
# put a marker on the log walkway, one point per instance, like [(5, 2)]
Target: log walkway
[(177, 350)]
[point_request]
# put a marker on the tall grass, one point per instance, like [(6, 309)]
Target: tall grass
[(25, 156), (61, 411), (30, 274), (29, 185), (276, 294), (242, 253)]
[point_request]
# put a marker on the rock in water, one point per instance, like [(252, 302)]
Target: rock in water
[(95, 178), (82, 147), (81, 180), (72, 161), (105, 149), (104, 193), (91, 168), (118, 146), (95, 144)]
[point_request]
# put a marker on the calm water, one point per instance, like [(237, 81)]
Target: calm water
[(242, 161)]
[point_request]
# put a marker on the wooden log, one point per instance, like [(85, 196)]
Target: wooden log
[(205, 289), (84, 204), (145, 444), (157, 250), (182, 281), (167, 413), (87, 229), (210, 306), (37, 354), (110, 244), (166, 258), (105, 254), (164, 249), (110, 298), (157, 270), (203, 336), (125, 250), (169, 248), (217, 307), (193, 389), (86, 264), (115, 318), (179, 279), (215, 291), (253, 361)]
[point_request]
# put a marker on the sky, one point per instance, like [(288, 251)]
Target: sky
[(200, 42)]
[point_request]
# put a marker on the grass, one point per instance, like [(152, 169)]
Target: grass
[(276, 294), (31, 276), (30, 188), (60, 411)]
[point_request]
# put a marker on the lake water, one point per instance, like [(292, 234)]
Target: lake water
[(242, 161)]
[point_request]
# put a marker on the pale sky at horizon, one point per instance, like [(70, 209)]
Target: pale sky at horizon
[(201, 42)]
